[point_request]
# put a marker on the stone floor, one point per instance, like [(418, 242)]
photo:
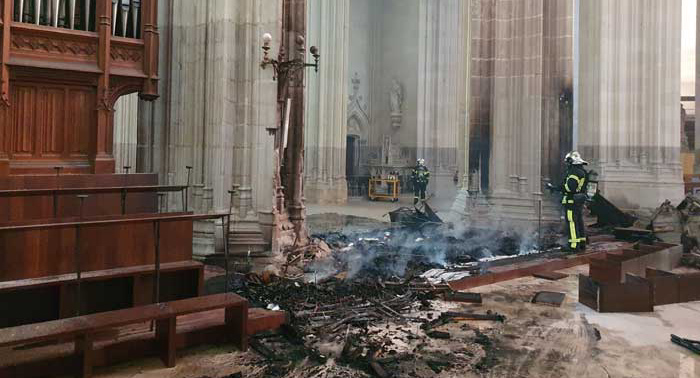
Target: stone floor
[(545, 341), (378, 210), (535, 341)]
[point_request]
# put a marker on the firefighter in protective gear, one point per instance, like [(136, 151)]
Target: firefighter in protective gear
[(420, 176), (574, 189)]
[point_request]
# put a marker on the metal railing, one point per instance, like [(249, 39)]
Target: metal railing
[(80, 15), (69, 14), (126, 16)]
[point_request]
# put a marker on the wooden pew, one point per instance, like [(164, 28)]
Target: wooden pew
[(22, 198), (51, 298), (37, 249), (33, 197), (82, 331)]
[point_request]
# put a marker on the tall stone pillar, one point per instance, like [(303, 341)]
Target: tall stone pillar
[(462, 204), (125, 137), (326, 103), (215, 107), (629, 126), (443, 75), (515, 163), (521, 70), (249, 105)]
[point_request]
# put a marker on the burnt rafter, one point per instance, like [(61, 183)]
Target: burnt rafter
[(83, 58)]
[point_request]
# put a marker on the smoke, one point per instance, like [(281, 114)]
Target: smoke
[(400, 251)]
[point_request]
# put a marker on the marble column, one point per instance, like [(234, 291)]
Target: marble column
[(125, 132), (326, 103), (443, 75), (629, 126)]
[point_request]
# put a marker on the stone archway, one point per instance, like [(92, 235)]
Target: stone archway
[(356, 140)]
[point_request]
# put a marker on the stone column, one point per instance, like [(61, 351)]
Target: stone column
[(215, 107), (515, 162), (249, 108), (629, 126), (442, 72), (125, 126), (462, 204), (326, 102)]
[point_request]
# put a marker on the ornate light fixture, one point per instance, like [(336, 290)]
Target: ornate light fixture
[(287, 68)]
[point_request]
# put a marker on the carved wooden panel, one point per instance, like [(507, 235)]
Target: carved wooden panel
[(23, 121), (79, 134), (51, 121), (127, 57), (43, 43), (51, 112), (53, 78)]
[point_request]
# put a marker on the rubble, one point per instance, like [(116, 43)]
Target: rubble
[(691, 345), (549, 298), (361, 299), (551, 276)]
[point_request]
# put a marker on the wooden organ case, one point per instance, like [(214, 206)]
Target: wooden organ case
[(64, 64)]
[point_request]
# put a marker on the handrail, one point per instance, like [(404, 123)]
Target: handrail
[(91, 190), (126, 220)]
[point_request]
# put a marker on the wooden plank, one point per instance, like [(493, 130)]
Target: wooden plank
[(511, 272), (97, 275), (551, 276)]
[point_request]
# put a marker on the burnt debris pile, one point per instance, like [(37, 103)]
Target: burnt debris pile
[(410, 251), (365, 304), (369, 324)]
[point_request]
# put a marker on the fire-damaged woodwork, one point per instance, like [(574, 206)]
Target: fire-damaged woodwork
[(674, 288), (633, 280), (635, 295), (612, 266), (550, 276), (692, 345), (608, 214), (549, 298), (58, 85), (457, 296)]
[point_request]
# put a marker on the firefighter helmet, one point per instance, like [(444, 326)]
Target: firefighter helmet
[(420, 161), (574, 158)]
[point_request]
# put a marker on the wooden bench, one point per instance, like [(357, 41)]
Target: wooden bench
[(55, 297), (82, 329)]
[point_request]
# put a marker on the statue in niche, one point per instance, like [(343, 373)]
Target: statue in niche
[(395, 97), (395, 103)]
